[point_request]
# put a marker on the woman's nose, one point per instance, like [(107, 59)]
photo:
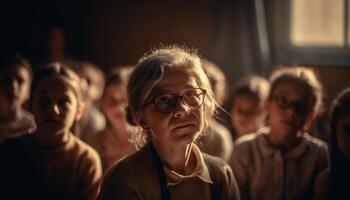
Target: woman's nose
[(181, 109)]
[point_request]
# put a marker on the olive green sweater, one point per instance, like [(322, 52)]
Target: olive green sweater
[(136, 178)]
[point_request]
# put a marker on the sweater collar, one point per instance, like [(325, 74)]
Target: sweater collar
[(201, 170)]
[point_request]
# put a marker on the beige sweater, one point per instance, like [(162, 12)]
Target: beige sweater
[(265, 172), (136, 178), (71, 171)]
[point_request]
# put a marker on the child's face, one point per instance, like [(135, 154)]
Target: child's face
[(343, 136), (183, 125), (55, 106), (14, 87), (247, 114), (114, 102), (289, 108)]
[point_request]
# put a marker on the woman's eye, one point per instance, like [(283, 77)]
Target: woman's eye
[(190, 93), (163, 99)]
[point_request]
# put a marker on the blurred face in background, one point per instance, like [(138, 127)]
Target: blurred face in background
[(14, 87), (343, 135), (114, 102), (247, 114), (289, 109)]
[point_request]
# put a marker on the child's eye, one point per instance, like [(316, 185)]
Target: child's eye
[(64, 102)]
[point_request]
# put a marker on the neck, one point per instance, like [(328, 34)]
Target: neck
[(177, 158), (119, 130), (9, 114), (51, 140), (284, 142)]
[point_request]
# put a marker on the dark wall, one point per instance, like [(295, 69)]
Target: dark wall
[(111, 33)]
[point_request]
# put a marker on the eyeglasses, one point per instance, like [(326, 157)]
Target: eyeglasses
[(193, 98), (298, 107)]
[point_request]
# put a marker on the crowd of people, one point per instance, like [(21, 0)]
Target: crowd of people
[(167, 128)]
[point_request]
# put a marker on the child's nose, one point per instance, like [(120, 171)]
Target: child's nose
[(14, 86), (54, 110), (291, 112)]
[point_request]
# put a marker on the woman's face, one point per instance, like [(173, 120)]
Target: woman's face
[(114, 102), (289, 108), (55, 106), (183, 125), (247, 114), (343, 135)]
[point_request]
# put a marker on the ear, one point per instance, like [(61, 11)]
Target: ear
[(140, 120), (80, 111)]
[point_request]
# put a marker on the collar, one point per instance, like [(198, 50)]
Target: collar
[(269, 150), (201, 170)]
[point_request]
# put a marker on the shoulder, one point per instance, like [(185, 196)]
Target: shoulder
[(137, 164), (218, 167), (315, 143), (85, 151), (129, 176), (246, 142)]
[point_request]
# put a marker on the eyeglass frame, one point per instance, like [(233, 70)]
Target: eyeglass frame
[(204, 92), (292, 104)]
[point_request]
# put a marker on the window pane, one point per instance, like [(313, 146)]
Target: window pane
[(317, 23)]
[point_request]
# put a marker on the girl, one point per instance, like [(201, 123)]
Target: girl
[(333, 182), (282, 161), (247, 105), (51, 163), (171, 100), (113, 143), (15, 79)]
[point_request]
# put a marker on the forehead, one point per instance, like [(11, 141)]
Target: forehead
[(15, 71), (56, 86), (245, 101), (293, 90), (176, 79), (116, 89)]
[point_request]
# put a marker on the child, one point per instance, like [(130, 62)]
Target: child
[(15, 78), (51, 163), (92, 121), (247, 105), (113, 143), (282, 161), (217, 140), (171, 100), (333, 182)]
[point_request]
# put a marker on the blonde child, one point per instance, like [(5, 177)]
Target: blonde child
[(51, 163)]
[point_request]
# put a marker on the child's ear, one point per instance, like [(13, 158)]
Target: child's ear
[(80, 111)]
